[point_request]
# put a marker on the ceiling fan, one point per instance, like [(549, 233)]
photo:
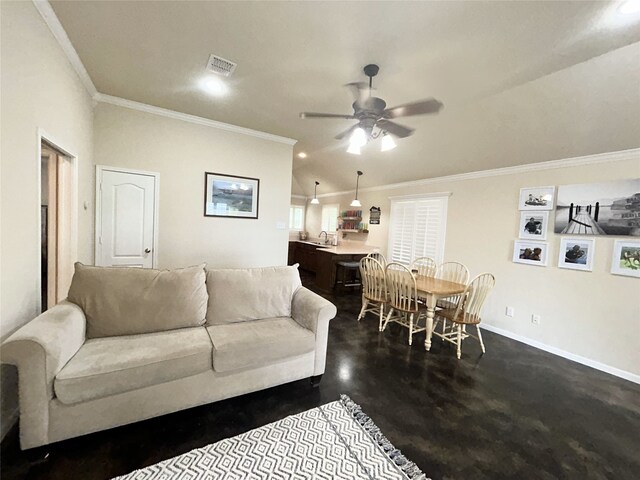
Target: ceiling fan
[(374, 119)]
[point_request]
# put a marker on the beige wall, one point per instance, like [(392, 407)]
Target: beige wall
[(594, 315), (40, 89), (181, 152)]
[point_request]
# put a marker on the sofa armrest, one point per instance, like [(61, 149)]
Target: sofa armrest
[(39, 350), (314, 312)]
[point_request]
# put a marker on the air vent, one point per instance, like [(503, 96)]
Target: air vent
[(221, 66)]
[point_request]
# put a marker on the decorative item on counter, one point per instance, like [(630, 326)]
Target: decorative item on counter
[(302, 235), (374, 215)]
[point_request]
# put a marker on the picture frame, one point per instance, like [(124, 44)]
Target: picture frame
[(603, 208), (531, 253), (626, 258), (576, 253), (231, 196), (534, 225), (537, 198)]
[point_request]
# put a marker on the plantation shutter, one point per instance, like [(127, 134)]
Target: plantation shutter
[(417, 228)]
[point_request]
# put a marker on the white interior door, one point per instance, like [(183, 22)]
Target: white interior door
[(126, 218)]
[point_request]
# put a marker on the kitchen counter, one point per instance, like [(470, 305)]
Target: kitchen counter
[(348, 249), (328, 258)]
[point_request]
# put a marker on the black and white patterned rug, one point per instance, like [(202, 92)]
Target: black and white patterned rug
[(333, 441)]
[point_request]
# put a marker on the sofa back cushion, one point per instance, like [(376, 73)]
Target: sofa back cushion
[(240, 295), (129, 301)]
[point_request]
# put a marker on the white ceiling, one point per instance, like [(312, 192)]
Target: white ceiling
[(521, 82)]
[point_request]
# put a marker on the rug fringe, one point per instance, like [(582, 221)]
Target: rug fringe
[(408, 467)]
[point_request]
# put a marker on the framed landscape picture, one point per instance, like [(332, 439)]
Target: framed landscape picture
[(626, 258), (576, 253), (533, 225), (536, 198), (230, 196), (607, 208), (530, 253)]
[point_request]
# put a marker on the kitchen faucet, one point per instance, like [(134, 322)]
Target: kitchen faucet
[(326, 236)]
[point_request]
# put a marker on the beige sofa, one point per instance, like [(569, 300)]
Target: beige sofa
[(130, 344)]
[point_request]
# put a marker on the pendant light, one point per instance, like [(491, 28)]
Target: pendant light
[(356, 202), (315, 200)]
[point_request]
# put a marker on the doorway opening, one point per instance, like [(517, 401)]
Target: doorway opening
[(57, 193)]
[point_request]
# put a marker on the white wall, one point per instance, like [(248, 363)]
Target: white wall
[(181, 152), (39, 89), (594, 315)]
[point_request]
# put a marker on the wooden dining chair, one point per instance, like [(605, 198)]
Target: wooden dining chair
[(452, 272), (425, 266), (467, 312), (374, 289), (404, 307), (379, 257)]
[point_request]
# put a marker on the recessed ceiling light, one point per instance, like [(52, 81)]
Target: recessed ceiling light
[(214, 86), (630, 7), (302, 155)]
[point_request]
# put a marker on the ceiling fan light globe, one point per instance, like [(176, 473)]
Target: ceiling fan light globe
[(358, 137), (355, 203), (388, 143), (354, 149), (315, 201)]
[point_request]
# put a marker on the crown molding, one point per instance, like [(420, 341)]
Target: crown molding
[(301, 197), (631, 154), (51, 19), (185, 117)]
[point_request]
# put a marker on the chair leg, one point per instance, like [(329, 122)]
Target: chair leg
[(410, 329), (444, 328), (480, 338), (381, 317), (365, 302), (386, 321), (459, 353)]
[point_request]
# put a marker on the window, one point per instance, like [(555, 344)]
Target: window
[(296, 217), (417, 228), (330, 217)]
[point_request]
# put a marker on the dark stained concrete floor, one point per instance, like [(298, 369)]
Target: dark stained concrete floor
[(514, 413)]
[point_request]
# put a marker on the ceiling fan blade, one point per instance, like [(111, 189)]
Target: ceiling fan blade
[(347, 132), (430, 105), (325, 115), (399, 131)]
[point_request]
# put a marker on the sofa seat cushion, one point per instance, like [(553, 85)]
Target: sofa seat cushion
[(247, 294), (251, 344), (112, 365), (130, 301)]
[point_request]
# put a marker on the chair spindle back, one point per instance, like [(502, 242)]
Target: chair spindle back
[(401, 286)]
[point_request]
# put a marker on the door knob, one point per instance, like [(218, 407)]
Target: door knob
[(146, 250)]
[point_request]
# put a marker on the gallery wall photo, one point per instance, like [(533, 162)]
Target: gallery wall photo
[(607, 208)]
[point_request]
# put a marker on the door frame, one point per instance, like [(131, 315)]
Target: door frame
[(43, 136), (98, 221)]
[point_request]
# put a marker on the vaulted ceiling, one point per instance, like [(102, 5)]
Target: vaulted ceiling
[(521, 82)]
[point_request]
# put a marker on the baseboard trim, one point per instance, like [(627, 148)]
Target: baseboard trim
[(6, 426), (632, 377)]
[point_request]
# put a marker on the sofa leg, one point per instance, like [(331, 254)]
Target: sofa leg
[(315, 381), (37, 455)]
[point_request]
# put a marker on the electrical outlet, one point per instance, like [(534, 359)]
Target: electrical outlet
[(509, 312), (535, 319)]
